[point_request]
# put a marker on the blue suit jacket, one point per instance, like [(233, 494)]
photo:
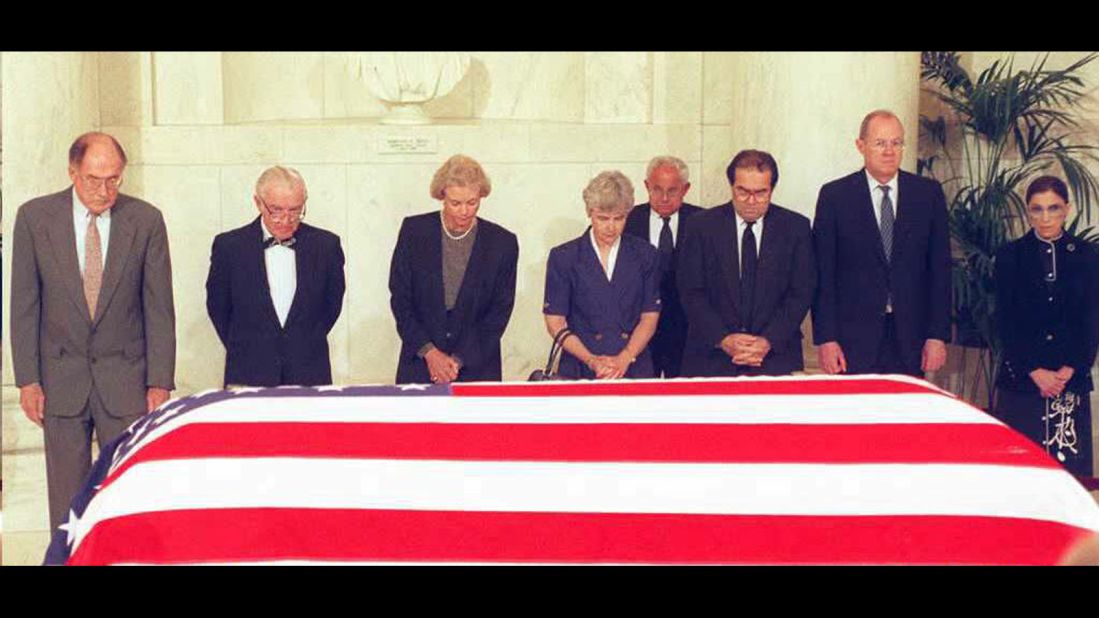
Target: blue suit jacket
[(603, 313)]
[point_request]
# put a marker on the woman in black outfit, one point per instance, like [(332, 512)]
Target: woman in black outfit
[(1047, 318)]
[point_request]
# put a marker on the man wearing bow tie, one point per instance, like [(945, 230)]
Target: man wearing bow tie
[(275, 289)]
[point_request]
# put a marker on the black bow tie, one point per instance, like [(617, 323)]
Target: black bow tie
[(272, 241)]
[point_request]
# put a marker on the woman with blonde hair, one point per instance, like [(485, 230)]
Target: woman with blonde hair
[(452, 283)]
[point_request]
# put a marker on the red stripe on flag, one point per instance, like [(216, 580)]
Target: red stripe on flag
[(242, 535), (602, 442), (730, 387)]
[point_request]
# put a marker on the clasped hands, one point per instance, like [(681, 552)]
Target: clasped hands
[(610, 367), (746, 349), (442, 367), (1051, 383)]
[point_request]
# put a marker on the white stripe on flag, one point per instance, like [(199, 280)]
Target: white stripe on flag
[(791, 489)]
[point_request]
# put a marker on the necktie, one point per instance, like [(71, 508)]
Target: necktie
[(272, 241), (666, 246), (748, 260), (886, 223), (93, 264)]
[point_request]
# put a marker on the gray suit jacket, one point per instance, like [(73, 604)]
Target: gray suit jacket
[(129, 345)]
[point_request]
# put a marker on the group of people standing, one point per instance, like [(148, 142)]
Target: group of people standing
[(661, 289)]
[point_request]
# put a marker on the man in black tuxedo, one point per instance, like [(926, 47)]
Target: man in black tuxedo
[(746, 278), (661, 222), (883, 254), (275, 289)]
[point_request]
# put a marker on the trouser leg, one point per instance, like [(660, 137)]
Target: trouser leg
[(68, 459)]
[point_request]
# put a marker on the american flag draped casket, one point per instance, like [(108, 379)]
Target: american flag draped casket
[(802, 470)]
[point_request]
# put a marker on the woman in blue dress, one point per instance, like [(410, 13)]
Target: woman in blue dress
[(605, 287)]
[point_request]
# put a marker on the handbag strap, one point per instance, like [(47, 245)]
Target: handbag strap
[(558, 346)]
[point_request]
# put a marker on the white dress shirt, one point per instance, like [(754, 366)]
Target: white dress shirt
[(612, 257), (282, 276), (656, 223), (876, 195), (757, 229), (81, 215)]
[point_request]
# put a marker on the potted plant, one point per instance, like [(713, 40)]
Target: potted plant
[(999, 131)]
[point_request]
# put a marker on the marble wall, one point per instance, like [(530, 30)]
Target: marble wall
[(199, 127)]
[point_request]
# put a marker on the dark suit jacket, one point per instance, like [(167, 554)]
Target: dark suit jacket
[(603, 313), (258, 351), (481, 313), (709, 286), (1045, 324), (130, 344), (671, 332), (854, 278)]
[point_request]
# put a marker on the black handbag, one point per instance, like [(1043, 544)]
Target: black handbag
[(554, 360)]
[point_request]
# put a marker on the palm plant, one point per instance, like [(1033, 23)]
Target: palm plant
[(1003, 129)]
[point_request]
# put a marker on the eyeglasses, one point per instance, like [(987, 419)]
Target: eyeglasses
[(96, 183), (666, 193), (881, 145), (749, 196), (1036, 210), (283, 215)]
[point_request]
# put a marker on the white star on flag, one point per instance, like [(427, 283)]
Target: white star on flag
[(413, 387), (71, 528)]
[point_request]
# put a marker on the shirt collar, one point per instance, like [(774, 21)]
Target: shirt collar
[(595, 245), (874, 184), (741, 223), (81, 212)]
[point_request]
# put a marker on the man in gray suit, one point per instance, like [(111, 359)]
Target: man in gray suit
[(92, 320)]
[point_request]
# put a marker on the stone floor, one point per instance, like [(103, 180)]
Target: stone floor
[(23, 500)]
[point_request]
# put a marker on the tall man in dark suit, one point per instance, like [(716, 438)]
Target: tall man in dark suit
[(275, 289), (661, 222), (883, 255), (92, 319), (746, 278)]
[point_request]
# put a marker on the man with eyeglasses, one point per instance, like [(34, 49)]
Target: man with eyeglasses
[(92, 316), (746, 278), (275, 289), (883, 254), (661, 222)]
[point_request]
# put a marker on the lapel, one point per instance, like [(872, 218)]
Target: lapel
[(254, 253), (728, 252), (905, 204), (118, 249), (864, 213), (62, 237), (475, 269), (769, 254), (433, 257), (303, 269)]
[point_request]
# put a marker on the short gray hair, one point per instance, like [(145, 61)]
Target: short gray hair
[(610, 191), (286, 176), (878, 113), (668, 161)]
